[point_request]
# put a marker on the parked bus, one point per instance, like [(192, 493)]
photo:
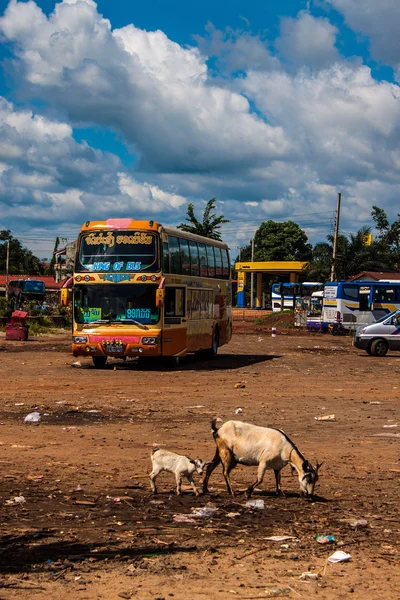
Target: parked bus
[(145, 290), (303, 290), (355, 303)]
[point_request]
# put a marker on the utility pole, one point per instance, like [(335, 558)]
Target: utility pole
[(7, 266), (335, 238), (252, 277)]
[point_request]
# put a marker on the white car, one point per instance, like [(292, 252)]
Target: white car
[(379, 337)]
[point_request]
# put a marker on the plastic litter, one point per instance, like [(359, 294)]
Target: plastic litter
[(238, 386), (360, 523), (339, 556), (390, 426), (376, 402), (77, 364), (325, 418), (183, 519), (325, 539), (278, 592), (255, 504), (33, 417), (16, 500), (279, 538), (273, 331), (309, 575), (238, 411), (204, 511)]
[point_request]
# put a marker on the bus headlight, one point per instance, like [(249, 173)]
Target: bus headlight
[(150, 341), (79, 339)]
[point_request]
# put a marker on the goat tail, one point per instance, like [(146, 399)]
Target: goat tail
[(154, 449), (214, 422)]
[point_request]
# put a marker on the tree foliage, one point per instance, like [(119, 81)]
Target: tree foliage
[(279, 241), (21, 260), (210, 225)]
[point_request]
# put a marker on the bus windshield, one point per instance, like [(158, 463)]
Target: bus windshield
[(128, 303), (105, 251)]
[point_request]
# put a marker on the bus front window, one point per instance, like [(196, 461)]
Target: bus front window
[(116, 303)]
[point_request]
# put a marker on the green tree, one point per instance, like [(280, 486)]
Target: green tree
[(210, 225), (388, 238), (279, 241), (21, 260)]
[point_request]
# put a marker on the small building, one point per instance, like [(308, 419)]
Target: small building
[(376, 276)]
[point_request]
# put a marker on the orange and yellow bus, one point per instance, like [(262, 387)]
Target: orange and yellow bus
[(144, 290)]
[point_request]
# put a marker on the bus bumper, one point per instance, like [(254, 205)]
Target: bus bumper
[(119, 348)]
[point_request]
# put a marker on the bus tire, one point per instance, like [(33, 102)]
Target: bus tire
[(379, 347), (172, 361), (212, 352), (99, 361)]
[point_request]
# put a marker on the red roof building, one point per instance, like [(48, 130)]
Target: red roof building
[(376, 276), (50, 283)]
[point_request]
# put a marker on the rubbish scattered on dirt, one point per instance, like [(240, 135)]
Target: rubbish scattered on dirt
[(273, 332), (358, 524), (325, 539), (339, 556), (16, 500), (390, 426), (77, 364), (33, 417), (376, 402), (238, 411), (19, 404), (78, 488), (232, 515), (259, 504), (278, 592), (183, 519), (238, 386), (279, 538), (309, 575), (395, 435), (205, 511), (325, 418)]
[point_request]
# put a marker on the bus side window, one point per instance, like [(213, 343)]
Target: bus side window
[(203, 260), (166, 258), (211, 261), (218, 262), (185, 256), (225, 264), (174, 302), (174, 255), (194, 258)]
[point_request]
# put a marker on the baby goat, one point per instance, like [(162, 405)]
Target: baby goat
[(246, 444), (181, 466)]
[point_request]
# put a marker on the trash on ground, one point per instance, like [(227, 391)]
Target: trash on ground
[(359, 523), (183, 519), (339, 556), (239, 386), (77, 364), (259, 503), (232, 515), (93, 411), (204, 511), (278, 592), (238, 411), (19, 404), (16, 500), (390, 426), (309, 575), (325, 539), (279, 538), (375, 402), (325, 418), (395, 435), (33, 417)]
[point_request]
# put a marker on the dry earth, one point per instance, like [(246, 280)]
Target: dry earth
[(89, 527)]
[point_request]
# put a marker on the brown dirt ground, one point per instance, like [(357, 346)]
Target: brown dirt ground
[(63, 543)]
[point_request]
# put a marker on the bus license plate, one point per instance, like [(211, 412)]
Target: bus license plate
[(114, 349)]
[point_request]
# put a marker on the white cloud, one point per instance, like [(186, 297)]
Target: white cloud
[(379, 21), (307, 40)]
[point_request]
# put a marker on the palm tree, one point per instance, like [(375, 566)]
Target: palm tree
[(210, 225)]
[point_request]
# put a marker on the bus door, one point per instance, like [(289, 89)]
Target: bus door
[(383, 300), (365, 300), (174, 327)]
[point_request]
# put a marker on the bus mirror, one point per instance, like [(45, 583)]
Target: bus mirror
[(160, 297), (64, 297)]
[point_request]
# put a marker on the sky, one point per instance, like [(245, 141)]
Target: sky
[(135, 109)]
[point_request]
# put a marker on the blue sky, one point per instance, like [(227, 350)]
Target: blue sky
[(135, 109)]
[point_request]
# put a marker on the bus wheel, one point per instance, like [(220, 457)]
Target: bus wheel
[(172, 361), (99, 361), (212, 352), (379, 347)]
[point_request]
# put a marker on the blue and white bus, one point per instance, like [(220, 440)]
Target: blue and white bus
[(354, 303), (303, 290)]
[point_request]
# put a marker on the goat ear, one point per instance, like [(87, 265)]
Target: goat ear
[(318, 465)]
